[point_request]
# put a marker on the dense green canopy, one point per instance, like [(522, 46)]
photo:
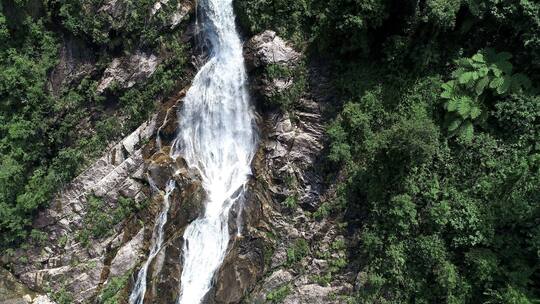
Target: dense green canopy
[(437, 138)]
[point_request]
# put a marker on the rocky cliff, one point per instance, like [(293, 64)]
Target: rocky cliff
[(301, 250), (98, 229)]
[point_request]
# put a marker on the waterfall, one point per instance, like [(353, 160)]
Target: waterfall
[(139, 289), (216, 136)]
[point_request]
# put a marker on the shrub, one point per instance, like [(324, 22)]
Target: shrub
[(279, 294), (297, 251)]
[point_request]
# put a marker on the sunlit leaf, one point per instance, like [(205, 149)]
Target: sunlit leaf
[(466, 131), (505, 85), (481, 85), (474, 112)]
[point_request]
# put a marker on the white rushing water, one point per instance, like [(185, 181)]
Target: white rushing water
[(216, 136), (139, 289)]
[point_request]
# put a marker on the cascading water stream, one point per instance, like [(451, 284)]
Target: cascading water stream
[(139, 289), (216, 136)]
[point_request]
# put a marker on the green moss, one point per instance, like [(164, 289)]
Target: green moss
[(279, 294), (100, 218), (288, 97), (62, 296), (291, 202), (112, 292)]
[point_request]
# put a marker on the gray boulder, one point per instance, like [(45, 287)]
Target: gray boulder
[(267, 48), (125, 72)]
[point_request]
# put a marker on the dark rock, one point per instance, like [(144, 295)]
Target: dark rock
[(76, 61), (240, 271), (161, 168), (186, 204)]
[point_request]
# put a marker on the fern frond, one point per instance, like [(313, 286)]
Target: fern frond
[(475, 112), (452, 105), (479, 57), (464, 106), (466, 131), (481, 85), (496, 82), (505, 85)]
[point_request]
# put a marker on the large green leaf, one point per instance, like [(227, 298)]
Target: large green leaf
[(454, 124), (474, 112), (496, 71), (479, 58), (466, 77), (505, 66), (449, 85), (505, 85), (503, 56), (464, 106), (496, 82), (452, 105), (519, 81), (446, 94), (448, 90), (481, 85), (466, 131), (483, 71)]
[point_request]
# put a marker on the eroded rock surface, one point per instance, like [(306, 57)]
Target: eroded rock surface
[(292, 145), (125, 72), (186, 204), (76, 62), (67, 258), (182, 10), (289, 166), (12, 291), (268, 48), (116, 12)]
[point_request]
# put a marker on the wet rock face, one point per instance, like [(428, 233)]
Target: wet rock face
[(240, 270), (244, 264), (292, 146), (186, 204), (289, 166)]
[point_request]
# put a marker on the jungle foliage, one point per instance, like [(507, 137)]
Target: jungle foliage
[(47, 137), (437, 138)]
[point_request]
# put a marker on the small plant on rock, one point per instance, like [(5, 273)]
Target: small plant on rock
[(279, 294)]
